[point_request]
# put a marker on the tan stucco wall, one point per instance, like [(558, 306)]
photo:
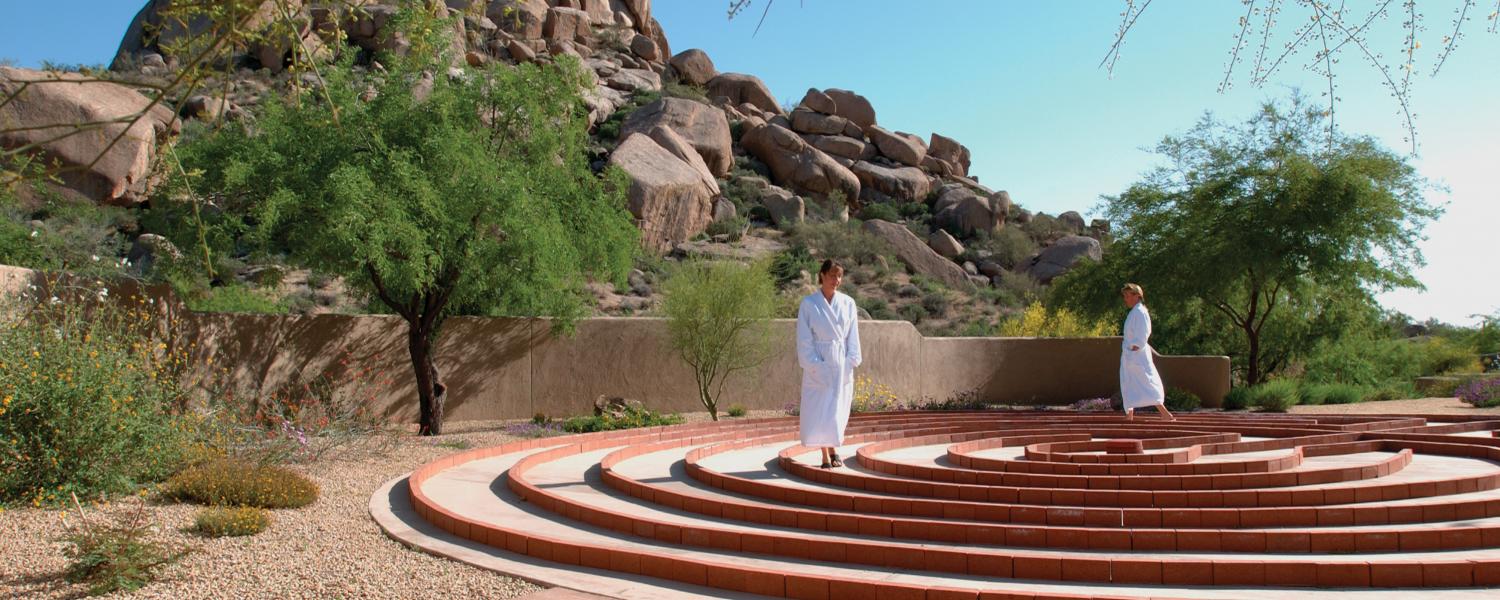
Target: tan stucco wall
[(514, 368)]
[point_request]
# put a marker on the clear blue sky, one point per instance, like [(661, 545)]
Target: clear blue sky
[(1018, 83)]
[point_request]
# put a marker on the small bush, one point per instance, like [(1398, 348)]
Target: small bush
[(734, 228), (230, 482), (118, 556), (1009, 246), (847, 243), (1037, 321), (237, 299), (632, 418), (1181, 400), (1238, 398), (219, 521), (1092, 405), (737, 410), (534, 429), (1274, 396), (936, 304), (686, 91), (1481, 393), (880, 210), (913, 312), (1330, 393), (787, 266), (873, 397)]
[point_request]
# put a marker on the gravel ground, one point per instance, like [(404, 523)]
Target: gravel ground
[(1433, 406), (330, 549)]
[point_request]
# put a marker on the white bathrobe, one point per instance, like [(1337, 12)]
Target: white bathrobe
[(1140, 384), (828, 351)]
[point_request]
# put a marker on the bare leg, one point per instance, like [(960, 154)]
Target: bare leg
[(827, 457), (1130, 414), (1165, 414)]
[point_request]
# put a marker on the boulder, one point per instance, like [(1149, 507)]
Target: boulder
[(847, 147), (808, 121), (898, 147), (916, 255), (694, 67), (739, 87), (616, 407), (945, 245), (937, 166), (785, 207), (1072, 220), (796, 163), (903, 184), (667, 197), (703, 126), (990, 268), (659, 35), (55, 102), (152, 32), (951, 152), (724, 210), (631, 80), (520, 52), (525, 19), (644, 47), (567, 25), (820, 102), (1099, 228), (960, 209), (602, 102), (1061, 256), (852, 106), (668, 139), (150, 249), (855, 131), (208, 108)]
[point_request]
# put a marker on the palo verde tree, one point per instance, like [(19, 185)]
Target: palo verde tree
[(1261, 219), (464, 193), (718, 321)]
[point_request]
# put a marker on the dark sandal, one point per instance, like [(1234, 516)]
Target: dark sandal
[(837, 462), (826, 465)]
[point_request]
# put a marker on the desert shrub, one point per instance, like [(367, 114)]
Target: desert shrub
[(534, 429), (912, 312), (1181, 400), (81, 237), (229, 482), (965, 400), (1380, 394), (1481, 392), (870, 396), (1038, 321), (631, 418), (220, 521), (87, 395), (1010, 246), (788, 265), (1238, 398), (117, 556), (1274, 396), (1043, 229), (1017, 289), (936, 303), (737, 410), (718, 317), (878, 309), (686, 91), (1330, 393), (734, 228), (847, 243), (1092, 405), (884, 211), (237, 299)]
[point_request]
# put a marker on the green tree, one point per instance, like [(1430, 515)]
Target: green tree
[(718, 320), (439, 196), (1266, 225)]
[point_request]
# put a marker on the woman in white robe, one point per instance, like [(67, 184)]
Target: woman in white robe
[(828, 351), (1140, 384)]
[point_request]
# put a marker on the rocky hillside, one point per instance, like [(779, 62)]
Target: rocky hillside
[(718, 168)]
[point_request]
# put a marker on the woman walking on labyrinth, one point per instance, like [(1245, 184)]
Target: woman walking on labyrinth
[(828, 351), (1140, 384)]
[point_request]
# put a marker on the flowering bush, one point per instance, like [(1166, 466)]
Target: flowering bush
[(1037, 321), (1092, 405), (88, 387), (117, 556), (1482, 393), (218, 521), (873, 397), (239, 483)]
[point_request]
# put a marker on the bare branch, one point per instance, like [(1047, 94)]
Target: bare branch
[(1452, 40), (1127, 20), (1239, 42)]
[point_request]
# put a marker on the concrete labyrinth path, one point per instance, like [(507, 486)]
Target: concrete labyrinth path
[(980, 505)]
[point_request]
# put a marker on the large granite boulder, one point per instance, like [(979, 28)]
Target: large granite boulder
[(152, 32), (950, 152), (1072, 220), (945, 245), (843, 146), (903, 184), (796, 163), (808, 121), (567, 25), (522, 18), (668, 139), (670, 202), (959, 209), (1061, 256), (852, 106), (900, 147), (740, 88), (785, 207), (916, 255), (703, 126), (819, 101), (694, 67), (96, 165)]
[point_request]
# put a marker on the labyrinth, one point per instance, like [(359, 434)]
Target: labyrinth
[(994, 505)]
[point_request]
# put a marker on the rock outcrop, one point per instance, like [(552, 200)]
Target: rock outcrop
[(703, 126), (740, 88), (960, 209), (795, 162), (916, 255), (95, 165), (694, 67), (667, 196), (1061, 256)]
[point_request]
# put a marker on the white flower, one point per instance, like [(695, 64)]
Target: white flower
[(95, 257), (104, 293), (33, 233), (55, 300)]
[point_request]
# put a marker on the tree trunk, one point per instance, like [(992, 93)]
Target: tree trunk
[(1252, 359), (429, 389)]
